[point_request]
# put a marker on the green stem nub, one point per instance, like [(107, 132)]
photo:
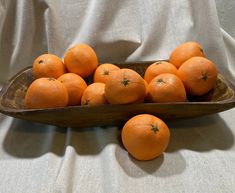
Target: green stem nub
[(87, 102), (160, 80), (158, 62), (125, 81), (154, 128), (106, 72), (204, 76), (51, 79)]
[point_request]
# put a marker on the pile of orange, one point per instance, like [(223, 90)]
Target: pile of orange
[(62, 82)]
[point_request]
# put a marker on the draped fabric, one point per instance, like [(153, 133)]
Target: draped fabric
[(43, 158)]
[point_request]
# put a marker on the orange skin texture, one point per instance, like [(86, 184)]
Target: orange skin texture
[(145, 136), (81, 59), (166, 88), (94, 95), (184, 52), (46, 93), (75, 86), (103, 72), (48, 65), (199, 75), (159, 68), (125, 86)]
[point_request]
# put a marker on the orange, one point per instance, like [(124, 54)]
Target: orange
[(166, 88), (48, 65), (185, 51), (46, 93), (145, 136), (159, 68), (198, 74), (81, 59), (75, 86), (94, 95), (103, 72), (125, 86)]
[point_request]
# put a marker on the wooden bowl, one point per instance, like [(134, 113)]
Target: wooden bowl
[(221, 98)]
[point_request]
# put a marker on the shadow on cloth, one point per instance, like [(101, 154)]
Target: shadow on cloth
[(91, 141), (164, 165), (26, 139), (200, 134)]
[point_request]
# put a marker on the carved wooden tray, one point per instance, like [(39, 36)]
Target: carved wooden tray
[(221, 98)]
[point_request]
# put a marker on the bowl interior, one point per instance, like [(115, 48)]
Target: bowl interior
[(14, 92)]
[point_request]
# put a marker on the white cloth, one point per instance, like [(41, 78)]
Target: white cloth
[(41, 158)]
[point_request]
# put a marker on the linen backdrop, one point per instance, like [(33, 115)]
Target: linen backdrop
[(45, 158)]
